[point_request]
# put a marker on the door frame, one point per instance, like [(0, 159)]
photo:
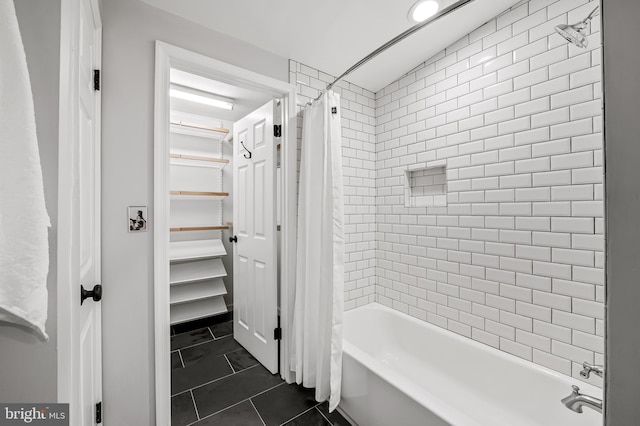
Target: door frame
[(167, 57), (66, 295)]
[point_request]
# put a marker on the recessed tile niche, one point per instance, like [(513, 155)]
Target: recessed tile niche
[(426, 186)]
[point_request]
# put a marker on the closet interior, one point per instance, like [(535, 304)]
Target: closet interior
[(197, 270), (202, 113)]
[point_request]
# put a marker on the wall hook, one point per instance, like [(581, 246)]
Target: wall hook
[(245, 148)]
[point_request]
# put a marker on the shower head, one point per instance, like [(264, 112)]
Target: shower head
[(574, 34)]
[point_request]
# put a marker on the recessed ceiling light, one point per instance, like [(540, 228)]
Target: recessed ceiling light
[(194, 95), (423, 10)]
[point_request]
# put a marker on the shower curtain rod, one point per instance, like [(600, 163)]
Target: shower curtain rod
[(444, 12)]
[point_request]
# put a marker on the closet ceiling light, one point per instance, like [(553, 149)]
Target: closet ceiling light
[(423, 10), (194, 95)]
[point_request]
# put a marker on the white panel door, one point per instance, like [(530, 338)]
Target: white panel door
[(255, 291), (79, 216)]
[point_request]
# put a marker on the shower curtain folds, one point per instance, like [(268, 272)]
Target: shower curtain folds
[(316, 350)]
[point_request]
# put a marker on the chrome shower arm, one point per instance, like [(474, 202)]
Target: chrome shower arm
[(593, 14)]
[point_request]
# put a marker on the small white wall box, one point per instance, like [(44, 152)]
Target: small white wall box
[(425, 185), (137, 216)]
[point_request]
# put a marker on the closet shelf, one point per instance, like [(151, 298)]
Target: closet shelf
[(199, 126), (199, 158), (198, 309), (197, 291), (199, 228), (198, 195), (194, 250), (197, 161), (189, 272)]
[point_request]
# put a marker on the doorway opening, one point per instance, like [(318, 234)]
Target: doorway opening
[(224, 213)]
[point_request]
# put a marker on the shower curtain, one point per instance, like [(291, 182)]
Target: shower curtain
[(316, 357)]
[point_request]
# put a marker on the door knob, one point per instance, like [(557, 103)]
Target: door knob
[(95, 294), (233, 239)]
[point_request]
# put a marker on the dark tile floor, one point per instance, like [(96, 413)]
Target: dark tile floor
[(216, 382)]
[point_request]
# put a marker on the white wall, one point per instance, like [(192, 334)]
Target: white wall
[(130, 30), (28, 370), (515, 260), (358, 167)]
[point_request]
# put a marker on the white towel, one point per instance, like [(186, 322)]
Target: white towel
[(24, 245)]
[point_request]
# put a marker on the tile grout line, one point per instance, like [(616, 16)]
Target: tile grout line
[(206, 383), (218, 338), (213, 336), (300, 414), (215, 380), (205, 342), (228, 362), (180, 393), (193, 399), (257, 412), (196, 344), (181, 360), (173, 331), (322, 414), (239, 402), (222, 337)]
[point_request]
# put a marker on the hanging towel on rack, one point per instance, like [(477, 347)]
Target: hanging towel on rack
[(24, 246)]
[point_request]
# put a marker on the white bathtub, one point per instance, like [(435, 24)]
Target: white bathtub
[(400, 371)]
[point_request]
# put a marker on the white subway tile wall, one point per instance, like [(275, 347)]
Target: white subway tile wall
[(359, 162), (515, 258)]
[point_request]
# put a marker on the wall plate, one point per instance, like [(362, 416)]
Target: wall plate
[(137, 218)]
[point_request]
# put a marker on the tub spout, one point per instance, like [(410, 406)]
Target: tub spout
[(576, 401)]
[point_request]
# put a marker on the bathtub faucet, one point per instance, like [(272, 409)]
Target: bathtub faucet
[(576, 401), (587, 369)]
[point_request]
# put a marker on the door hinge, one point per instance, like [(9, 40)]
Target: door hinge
[(99, 412), (96, 79), (277, 333), (277, 130)]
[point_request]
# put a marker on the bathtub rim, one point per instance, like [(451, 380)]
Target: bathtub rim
[(427, 399)]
